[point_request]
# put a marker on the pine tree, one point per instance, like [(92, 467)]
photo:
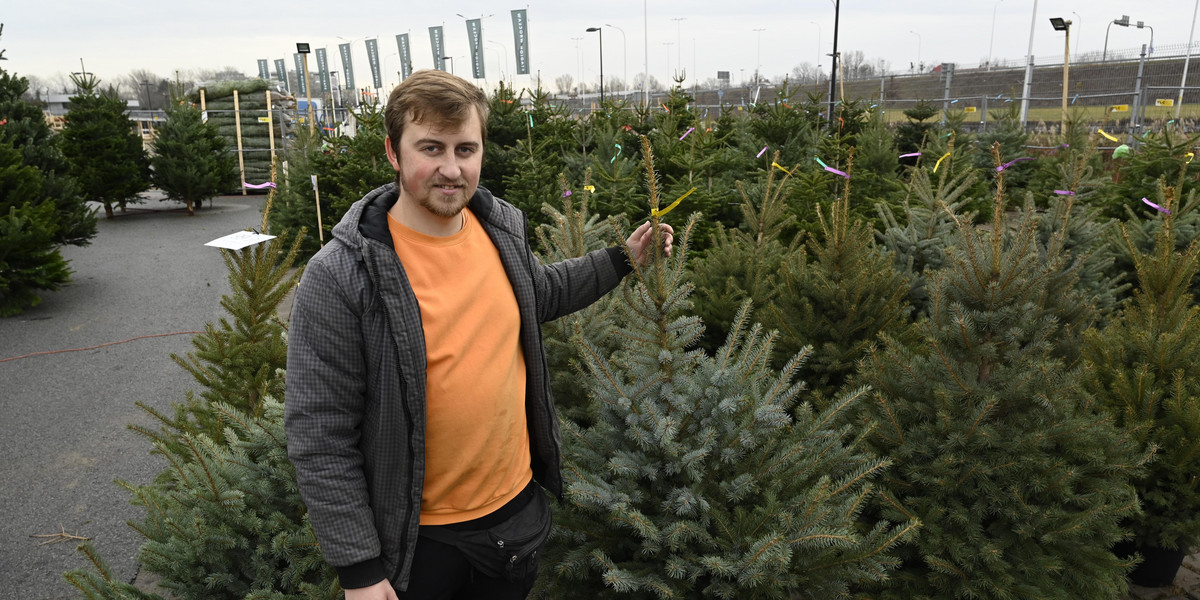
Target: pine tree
[(1020, 481), (29, 257), (294, 209), (106, 155), (1161, 155), (349, 166), (26, 129), (1143, 372), (694, 481), (837, 297), (225, 519), (191, 162)]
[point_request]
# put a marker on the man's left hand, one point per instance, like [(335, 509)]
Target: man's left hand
[(639, 241)]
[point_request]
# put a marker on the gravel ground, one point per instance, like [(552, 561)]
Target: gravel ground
[(63, 415)]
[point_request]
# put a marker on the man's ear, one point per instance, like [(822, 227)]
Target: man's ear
[(391, 153)]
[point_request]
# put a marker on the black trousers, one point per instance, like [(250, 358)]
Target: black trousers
[(441, 572)]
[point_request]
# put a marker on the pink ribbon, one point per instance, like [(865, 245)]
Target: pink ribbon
[(1156, 207), (685, 134), (1064, 192), (269, 184), (837, 172), (910, 154), (760, 152)]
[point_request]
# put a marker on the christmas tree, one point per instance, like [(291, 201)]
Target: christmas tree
[(106, 155), (1020, 481), (694, 480), (1144, 373), (191, 162)]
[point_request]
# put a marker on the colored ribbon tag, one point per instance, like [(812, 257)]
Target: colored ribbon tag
[(939, 161), (821, 162), (1105, 134), (760, 152), (567, 194), (910, 154), (259, 186), (837, 172), (659, 213), (685, 134), (589, 188), (1011, 163), (777, 166), (614, 158), (1156, 207), (1064, 192)]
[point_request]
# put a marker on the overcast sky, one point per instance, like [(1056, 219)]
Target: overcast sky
[(118, 36)]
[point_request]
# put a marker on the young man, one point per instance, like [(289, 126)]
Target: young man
[(419, 414)]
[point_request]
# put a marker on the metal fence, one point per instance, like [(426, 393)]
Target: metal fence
[(1125, 90)]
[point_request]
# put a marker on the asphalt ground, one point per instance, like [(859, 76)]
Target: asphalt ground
[(64, 414)]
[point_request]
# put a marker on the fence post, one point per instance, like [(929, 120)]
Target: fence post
[(1135, 117), (1025, 94)]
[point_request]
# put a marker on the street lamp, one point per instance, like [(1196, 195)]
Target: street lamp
[(451, 59), (624, 56), (1124, 22), (919, 66), (992, 39), (601, 33), (668, 45), (758, 58), (302, 49), (818, 46), (1078, 22), (678, 40), (1064, 25)]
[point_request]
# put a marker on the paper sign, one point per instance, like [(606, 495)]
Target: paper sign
[(1164, 101), (239, 240), (264, 119), (968, 109), (1119, 108)]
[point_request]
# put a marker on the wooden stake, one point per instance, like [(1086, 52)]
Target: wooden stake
[(317, 193), (237, 127)]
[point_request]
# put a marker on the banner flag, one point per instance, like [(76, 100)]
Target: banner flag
[(439, 51), (347, 65), (521, 40), (263, 71), (373, 60), (301, 83), (281, 72), (475, 37), (405, 56), (323, 70)]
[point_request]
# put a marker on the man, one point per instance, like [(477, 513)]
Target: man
[(418, 405)]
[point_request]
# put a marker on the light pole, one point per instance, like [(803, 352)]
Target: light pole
[(624, 56), (483, 71), (303, 49), (992, 39), (919, 66), (1186, 60), (451, 59), (1123, 22), (818, 46), (601, 34), (678, 41), (758, 57), (1064, 25), (578, 63), (1078, 21)]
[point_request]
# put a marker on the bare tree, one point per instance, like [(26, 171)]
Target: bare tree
[(564, 83)]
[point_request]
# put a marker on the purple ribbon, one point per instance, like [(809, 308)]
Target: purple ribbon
[(910, 154), (1064, 192), (685, 134), (1156, 207), (760, 152), (1011, 163), (837, 172), (269, 184)]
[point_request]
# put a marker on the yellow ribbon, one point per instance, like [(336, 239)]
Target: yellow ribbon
[(939, 161), (1190, 156), (589, 188), (1105, 134), (776, 165), (659, 213)]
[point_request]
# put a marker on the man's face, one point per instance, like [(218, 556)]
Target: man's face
[(438, 168)]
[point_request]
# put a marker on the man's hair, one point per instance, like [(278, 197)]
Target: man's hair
[(436, 98)]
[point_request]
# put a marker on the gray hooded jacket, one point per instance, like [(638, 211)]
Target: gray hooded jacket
[(355, 404)]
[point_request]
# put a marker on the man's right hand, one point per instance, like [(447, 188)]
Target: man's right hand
[(380, 591)]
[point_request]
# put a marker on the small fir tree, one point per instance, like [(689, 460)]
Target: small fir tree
[(694, 481), (225, 519), (1020, 481), (1144, 373), (837, 296), (106, 154), (191, 162), (29, 259), (349, 166)]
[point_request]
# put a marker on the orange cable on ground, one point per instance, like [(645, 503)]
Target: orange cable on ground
[(140, 337)]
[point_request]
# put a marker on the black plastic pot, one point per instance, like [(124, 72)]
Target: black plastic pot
[(1158, 566)]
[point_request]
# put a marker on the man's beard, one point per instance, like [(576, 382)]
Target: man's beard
[(425, 200)]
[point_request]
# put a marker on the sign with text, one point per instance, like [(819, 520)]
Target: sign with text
[(263, 71), (405, 56), (475, 38), (1164, 102), (1119, 108), (323, 70), (521, 40), (347, 65), (301, 76), (373, 62), (281, 72), (439, 51)]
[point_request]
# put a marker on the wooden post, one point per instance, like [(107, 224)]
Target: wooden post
[(271, 124), (317, 193), (237, 127)]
